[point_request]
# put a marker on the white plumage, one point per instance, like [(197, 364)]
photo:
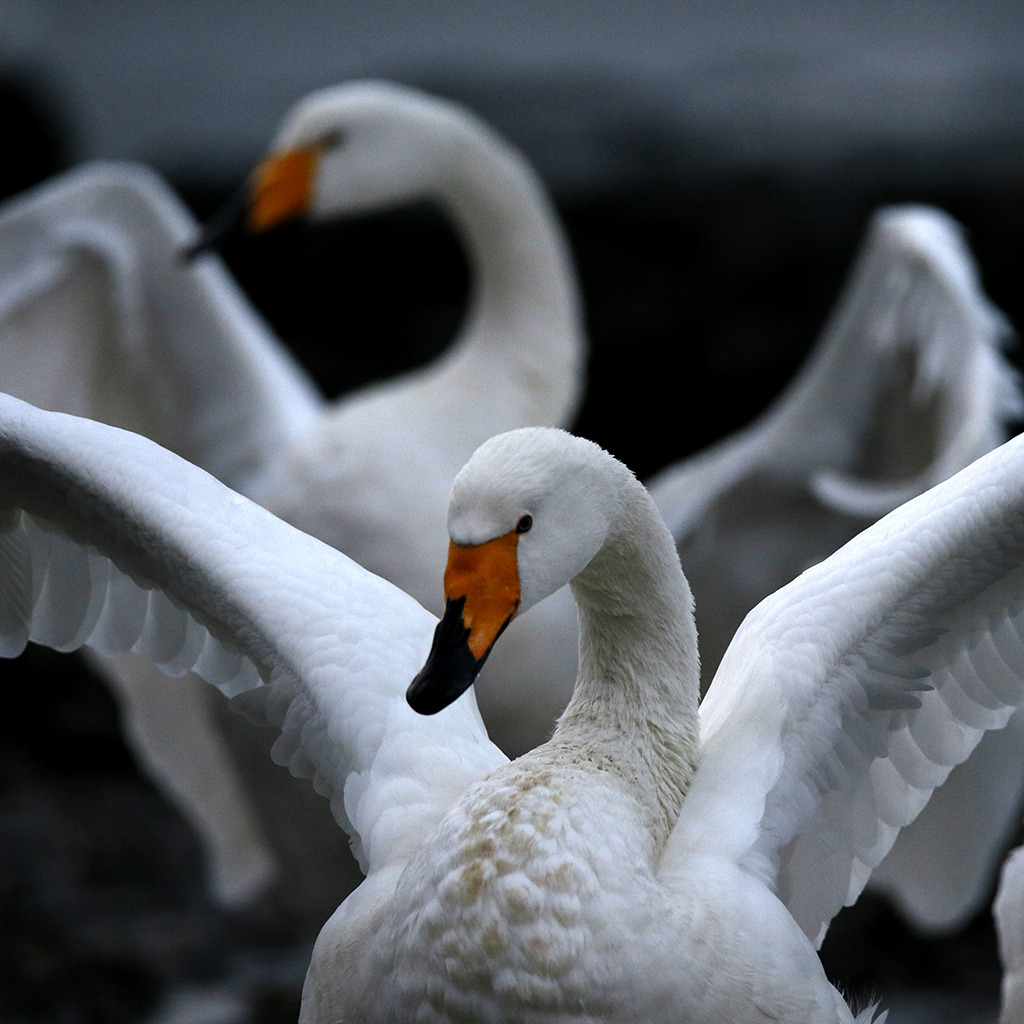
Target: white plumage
[(101, 316), (906, 385), (842, 701)]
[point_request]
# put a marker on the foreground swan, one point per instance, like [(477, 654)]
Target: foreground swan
[(100, 316), (646, 864)]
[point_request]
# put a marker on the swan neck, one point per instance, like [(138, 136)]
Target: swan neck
[(636, 695), (523, 285)]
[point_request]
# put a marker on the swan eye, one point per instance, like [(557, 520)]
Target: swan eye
[(331, 139), (524, 524)]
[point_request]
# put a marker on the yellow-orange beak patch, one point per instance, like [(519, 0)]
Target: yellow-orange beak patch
[(487, 576), (282, 187)]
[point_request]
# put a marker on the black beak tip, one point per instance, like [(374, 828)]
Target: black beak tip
[(424, 697), (450, 669), (227, 222)]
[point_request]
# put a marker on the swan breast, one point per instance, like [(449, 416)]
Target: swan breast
[(522, 902)]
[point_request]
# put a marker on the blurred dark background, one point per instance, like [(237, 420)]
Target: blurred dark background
[(714, 165)]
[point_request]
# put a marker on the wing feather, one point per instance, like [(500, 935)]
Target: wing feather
[(101, 317), (907, 384), (848, 696), (109, 540)]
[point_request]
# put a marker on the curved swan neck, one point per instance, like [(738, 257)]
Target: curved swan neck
[(523, 284), (636, 694)]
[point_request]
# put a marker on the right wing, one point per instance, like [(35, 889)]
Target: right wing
[(107, 540), (847, 696), (907, 384), (101, 316)]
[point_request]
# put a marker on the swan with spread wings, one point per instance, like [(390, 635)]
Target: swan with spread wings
[(101, 315), (651, 862)]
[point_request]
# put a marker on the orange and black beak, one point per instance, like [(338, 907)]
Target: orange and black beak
[(481, 586), (279, 190)]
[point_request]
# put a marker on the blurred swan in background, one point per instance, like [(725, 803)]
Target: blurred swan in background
[(842, 701), (906, 385)]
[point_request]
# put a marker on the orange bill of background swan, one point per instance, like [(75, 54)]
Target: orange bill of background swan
[(281, 187)]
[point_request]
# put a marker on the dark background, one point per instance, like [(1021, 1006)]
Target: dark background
[(714, 167)]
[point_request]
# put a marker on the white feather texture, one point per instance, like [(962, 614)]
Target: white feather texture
[(908, 383), (99, 317), (174, 566), (588, 878)]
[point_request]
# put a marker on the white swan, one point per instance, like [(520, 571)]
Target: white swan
[(626, 871), (906, 385), (99, 316)]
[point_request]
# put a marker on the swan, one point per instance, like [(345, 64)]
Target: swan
[(100, 316), (906, 384), (653, 861)]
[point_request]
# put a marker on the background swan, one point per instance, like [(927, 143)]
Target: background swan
[(99, 316), (842, 701)]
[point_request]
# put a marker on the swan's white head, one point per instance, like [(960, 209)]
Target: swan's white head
[(528, 512), (352, 148)]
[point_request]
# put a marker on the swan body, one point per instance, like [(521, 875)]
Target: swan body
[(92, 282), (651, 861)]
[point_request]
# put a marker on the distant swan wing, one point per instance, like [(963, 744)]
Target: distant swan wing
[(847, 696), (100, 316), (938, 387), (907, 384), (109, 540)]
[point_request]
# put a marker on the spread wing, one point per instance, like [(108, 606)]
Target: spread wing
[(907, 384), (847, 696), (113, 542), (100, 316)]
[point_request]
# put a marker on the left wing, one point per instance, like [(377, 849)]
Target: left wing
[(107, 540), (846, 697)]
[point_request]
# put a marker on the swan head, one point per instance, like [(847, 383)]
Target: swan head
[(356, 147), (527, 514), (348, 149)]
